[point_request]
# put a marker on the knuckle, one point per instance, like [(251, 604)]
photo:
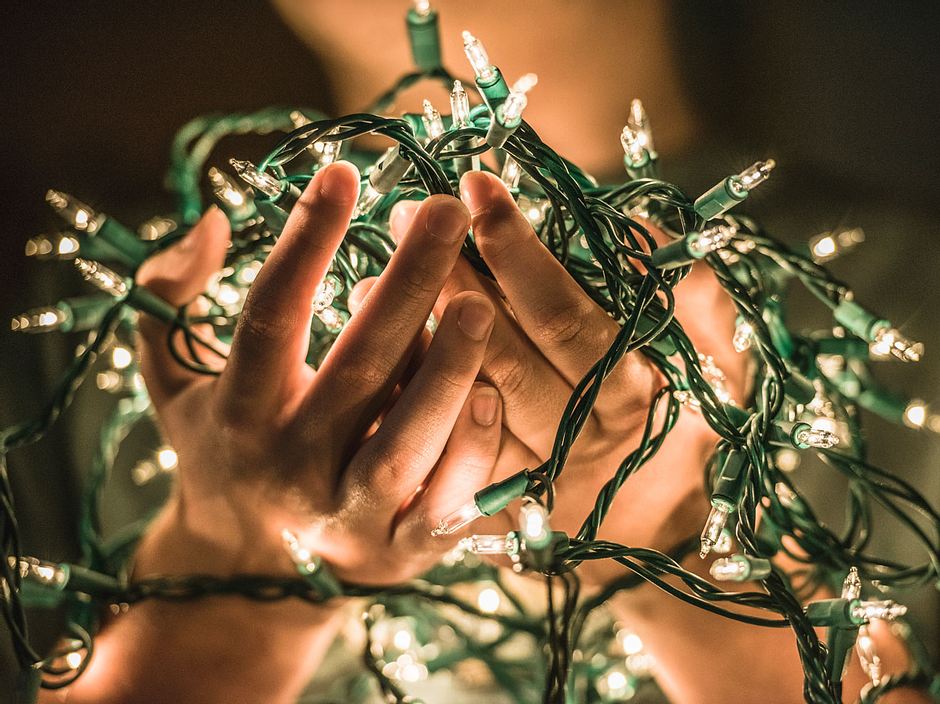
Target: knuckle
[(507, 370), (418, 283), (559, 325), (365, 369), (266, 323)]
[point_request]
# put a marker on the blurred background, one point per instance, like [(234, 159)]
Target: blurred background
[(844, 95)]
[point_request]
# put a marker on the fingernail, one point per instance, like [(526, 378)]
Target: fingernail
[(336, 184), (447, 219), (475, 190), (475, 317), (483, 405), (403, 212)]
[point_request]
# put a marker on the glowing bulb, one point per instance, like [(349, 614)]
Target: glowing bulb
[(488, 600), (305, 561), (633, 148), (851, 585), (817, 437), (47, 574), (507, 544), (73, 660), (457, 519), (829, 245), (751, 177), (630, 642), (725, 543), (710, 239), (885, 610), (67, 246), (785, 495), (915, 415), (890, 341), (534, 525), (639, 122), (39, 320), (459, 106), (225, 189), (326, 292), (143, 472), (711, 533), (325, 152), (155, 228), (121, 357), (228, 295), (743, 334), (249, 272), (367, 201), (478, 58), (73, 211), (167, 458), (739, 568), (102, 277), (264, 182), (422, 8), (868, 656), (433, 124), (510, 110), (511, 173), (333, 320), (402, 639)]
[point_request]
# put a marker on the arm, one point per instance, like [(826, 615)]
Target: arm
[(272, 444)]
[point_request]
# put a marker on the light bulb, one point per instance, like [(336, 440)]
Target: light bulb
[(489, 600), (47, 574), (743, 334), (639, 122), (711, 533), (121, 357), (725, 543), (889, 340), (333, 320), (885, 610), (459, 106), (785, 495), (73, 660), (367, 201), (225, 189), (630, 642), (739, 568), (167, 458), (504, 544), (44, 319), (510, 110), (144, 471), (263, 182), (851, 585), (868, 655), (478, 58), (422, 8), (511, 173), (305, 561), (102, 277), (433, 124), (325, 152), (533, 524), (155, 228), (751, 177), (326, 292), (915, 414), (73, 211), (829, 245), (710, 239), (633, 148), (817, 437)]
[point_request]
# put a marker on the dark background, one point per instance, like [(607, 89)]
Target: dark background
[(844, 95)]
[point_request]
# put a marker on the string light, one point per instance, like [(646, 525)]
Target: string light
[(828, 245)]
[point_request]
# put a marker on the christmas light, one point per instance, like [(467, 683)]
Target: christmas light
[(492, 544), (325, 152), (263, 182), (459, 106), (734, 189), (478, 58), (639, 122), (101, 277), (508, 114), (714, 525), (533, 525), (511, 173), (743, 334), (739, 568), (433, 123), (829, 245)]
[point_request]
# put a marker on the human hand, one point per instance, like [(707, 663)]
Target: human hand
[(546, 336), (272, 444)]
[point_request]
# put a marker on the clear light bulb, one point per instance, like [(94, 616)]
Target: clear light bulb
[(630, 642), (73, 211), (829, 245), (121, 357), (743, 334), (868, 655), (534, 524), (45, 319), (459, 106), (367, 201), (633, 148), (478, 58), (817, 437), (47, 574), (167, 458), (915, 414), (302, 558), (325, 152), (726, 569), (155, 228), (102, 277), (752, 177), (639, 122), (851, 585), (422, 8), (333, 320), (890, 341), (326, 292), (511, 108), (263, 182), (725, 543), (507, 544), (457, 519), (511, 173), (433, 124), (711, 239), (885, 610), (711, 533), (489, 600), (226, 190), (785, 495)]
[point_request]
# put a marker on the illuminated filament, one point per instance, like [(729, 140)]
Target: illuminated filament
[(102, 277), (639, 122), (711, 239), (73, 211), (44, 247), (263, 182), (44, 319), (889, 341), (752, 177), (478, 58), (711, 533), (817, 437), (459, 106), (433, 124), (511, 108)]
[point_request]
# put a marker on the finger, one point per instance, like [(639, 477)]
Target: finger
[(466, 466), (412, 437), (357, 295), (273, 333), (368, 358), (178, 275), (567, 327)]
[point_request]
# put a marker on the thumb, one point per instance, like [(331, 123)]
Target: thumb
[(178, 275)]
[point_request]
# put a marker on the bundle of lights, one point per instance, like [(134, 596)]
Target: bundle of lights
[(808, 389)]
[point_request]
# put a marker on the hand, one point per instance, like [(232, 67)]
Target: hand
[(546, 336), (272, 444)]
